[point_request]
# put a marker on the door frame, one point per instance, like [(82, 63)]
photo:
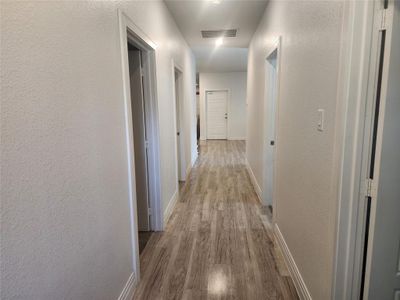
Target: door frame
[(129, 31), (387, 27), (276, 46), (181, 106), (228, 101), (356, 97)]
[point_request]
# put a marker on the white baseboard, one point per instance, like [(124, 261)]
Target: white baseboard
[(254, 181), (129, 288), (195, 155), (188, 170), (298, 281), (170, 206)]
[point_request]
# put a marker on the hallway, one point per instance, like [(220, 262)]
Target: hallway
[(105, 193), (218, 243)]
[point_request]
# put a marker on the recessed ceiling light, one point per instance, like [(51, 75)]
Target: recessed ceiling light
[(219, 41), (216, 1)]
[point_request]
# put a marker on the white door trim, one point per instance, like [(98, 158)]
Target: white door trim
[(228, 101), (354, 121), (130, 31), (382, 22)]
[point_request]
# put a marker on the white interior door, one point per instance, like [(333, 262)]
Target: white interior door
[(217, 114), (179, 130), (382, 279), (270, 136), (139, 140)]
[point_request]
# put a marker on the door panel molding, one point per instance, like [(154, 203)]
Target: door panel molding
[(225, 134)]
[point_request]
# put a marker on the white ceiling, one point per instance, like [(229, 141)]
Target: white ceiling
[(222, 59), (192, 16)]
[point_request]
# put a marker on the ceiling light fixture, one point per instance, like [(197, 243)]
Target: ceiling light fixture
[(216, 1), (219, 41)]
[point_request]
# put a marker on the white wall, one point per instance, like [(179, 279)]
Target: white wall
[(64, 183), (236, 82), (305, 191)]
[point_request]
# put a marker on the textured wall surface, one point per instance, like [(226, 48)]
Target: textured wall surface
[(64, 184), (162, 29), (311, 33), (236, 82)]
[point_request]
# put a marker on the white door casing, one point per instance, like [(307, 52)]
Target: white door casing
[(358, 86), (217, 114), (129, 31), (382, 275)]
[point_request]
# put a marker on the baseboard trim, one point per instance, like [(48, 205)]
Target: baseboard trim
[(188, 170), (254, 181), (129, 288), (195, 155), (298, 281), (170, 207)]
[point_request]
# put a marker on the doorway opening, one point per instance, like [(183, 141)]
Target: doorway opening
[(217, 114), (180, 136), (142, 136), (140, 144), (270, 106)]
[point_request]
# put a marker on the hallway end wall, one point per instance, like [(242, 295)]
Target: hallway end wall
[(236, 83), (304, 182), (65, 224)]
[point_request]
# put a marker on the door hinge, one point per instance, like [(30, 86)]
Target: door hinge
[(149, 211), (146, 143), (141, 72), (369, 187)]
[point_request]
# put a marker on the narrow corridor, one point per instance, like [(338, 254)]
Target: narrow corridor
[(218, 243)]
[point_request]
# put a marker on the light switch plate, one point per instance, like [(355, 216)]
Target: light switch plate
[(321, 119)]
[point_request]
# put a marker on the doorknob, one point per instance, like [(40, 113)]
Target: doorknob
[(178, 133), (272, 143)]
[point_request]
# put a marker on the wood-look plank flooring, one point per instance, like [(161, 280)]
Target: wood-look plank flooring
[(218, 243)]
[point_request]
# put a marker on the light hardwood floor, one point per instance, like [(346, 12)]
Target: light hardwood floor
[(218, 243)]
